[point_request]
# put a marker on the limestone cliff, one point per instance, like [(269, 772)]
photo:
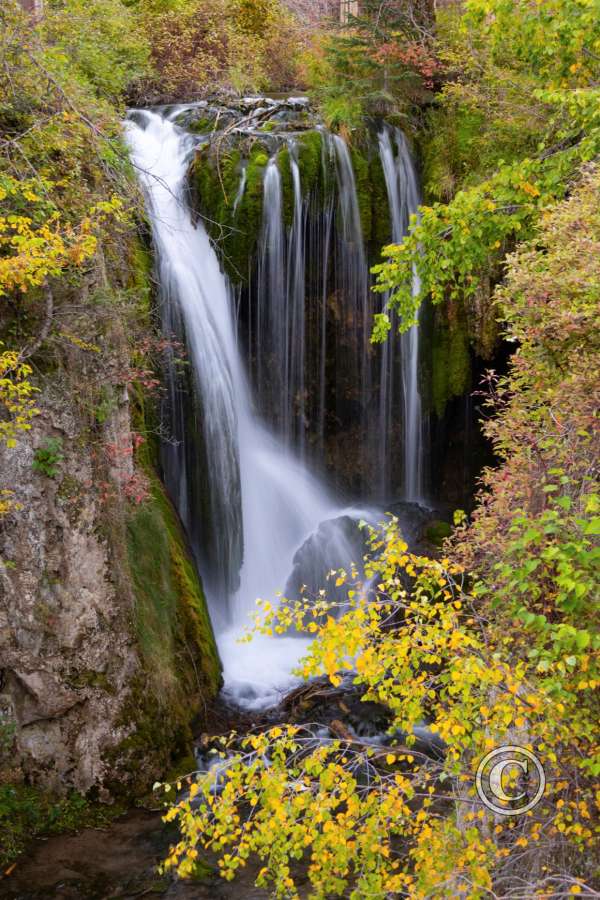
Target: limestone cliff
[(106, 648)]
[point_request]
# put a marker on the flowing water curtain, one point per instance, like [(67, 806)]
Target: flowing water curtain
[(296, 301), (309, 310), (314, 369), (280, 303), (254, 510), (271, 343), (399, 384), (352, 285), (200, 452)]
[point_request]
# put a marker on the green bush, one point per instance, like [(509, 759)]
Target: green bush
[(47, 458)]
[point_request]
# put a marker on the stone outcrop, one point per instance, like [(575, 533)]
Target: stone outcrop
[(103, 665)]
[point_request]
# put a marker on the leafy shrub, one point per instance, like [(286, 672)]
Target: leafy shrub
[(206, 45), (47, 458), (101, 40)]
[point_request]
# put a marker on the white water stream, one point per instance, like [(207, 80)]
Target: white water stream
[(403, 195)]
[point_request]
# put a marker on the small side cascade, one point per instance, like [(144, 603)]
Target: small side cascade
[(296, 302), (401, 380), (271, 359), (353, 286)]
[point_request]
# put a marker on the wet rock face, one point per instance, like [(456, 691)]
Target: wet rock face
[(66, 651), (336, 540), (103, 664)]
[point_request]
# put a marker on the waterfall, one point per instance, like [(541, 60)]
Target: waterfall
[(296, 288), (354, 287), (196, 308), (280, 307), (311, 306), (250, 507), (272, 327), (403, 195)]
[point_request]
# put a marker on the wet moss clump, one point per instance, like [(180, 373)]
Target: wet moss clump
[(381, 223), (202, 125), (215, 183), (309, 153), (450, 356), (310, 160), (360, 164), (171, 616), (180, 667), (287, 184)]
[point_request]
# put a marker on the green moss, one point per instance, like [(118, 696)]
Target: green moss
[(26, 813), (201, 126), (182, 766), (140, 267), (171, 616), (287, 185), (309, 149), (310, 156), (181, 670), (381, 229), (259, 159), (360, 164), (216, 188), (437, 532), (450, 357)]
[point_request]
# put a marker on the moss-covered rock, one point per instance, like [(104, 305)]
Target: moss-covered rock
[(215, 183), (450, 356), (360, 164), (180, 667), (437, 532), (381, 223), (171, 615), (310, 160)]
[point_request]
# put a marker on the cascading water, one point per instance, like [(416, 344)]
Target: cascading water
[(272, 326), (280, 313), (296, 287), (311, 305), (403, 195), (262, 504)]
